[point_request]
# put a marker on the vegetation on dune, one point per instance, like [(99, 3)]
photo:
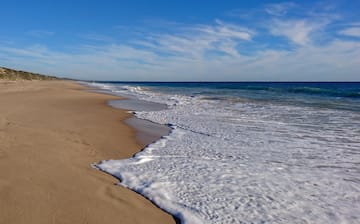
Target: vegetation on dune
[(11, 74)]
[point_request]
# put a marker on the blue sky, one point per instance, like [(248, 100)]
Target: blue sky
[(183, 40)]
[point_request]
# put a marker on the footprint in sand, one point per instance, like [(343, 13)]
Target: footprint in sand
[(4, 122)]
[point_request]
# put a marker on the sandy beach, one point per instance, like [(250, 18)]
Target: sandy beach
[(50, 133)]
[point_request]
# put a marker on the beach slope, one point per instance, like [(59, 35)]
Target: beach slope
[(50, 133)]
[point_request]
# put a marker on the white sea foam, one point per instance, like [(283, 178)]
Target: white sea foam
[(247, 162)]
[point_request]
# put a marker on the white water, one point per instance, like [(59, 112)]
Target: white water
[(247, 162)]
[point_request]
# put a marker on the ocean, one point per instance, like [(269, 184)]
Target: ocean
[(248, 152)]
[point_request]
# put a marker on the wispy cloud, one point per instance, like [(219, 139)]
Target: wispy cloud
[(40, 33), (97, 37), (224, 30), (353, 32), (195, 41), (297, 31), (128, 63), (35, 51), (279, 9)]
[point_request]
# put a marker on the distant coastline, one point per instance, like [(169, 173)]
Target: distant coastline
[(12, 74)]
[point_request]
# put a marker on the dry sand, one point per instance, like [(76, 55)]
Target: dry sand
[(50, 133)]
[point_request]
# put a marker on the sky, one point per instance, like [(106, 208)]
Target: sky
[(201, 40)]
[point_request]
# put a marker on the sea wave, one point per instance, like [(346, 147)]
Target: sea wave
[(246, 161)]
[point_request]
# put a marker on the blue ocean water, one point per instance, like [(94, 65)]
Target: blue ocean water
[(337, 95), (248, 152)]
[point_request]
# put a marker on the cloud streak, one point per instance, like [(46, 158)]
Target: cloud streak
[(279, 9), (353, 32), (196, 41), (40, 33), (297, 31)]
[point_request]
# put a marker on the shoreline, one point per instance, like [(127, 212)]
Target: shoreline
[(50, 135), (147, 132)]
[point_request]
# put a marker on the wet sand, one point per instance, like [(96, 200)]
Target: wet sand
[(50, 133)]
